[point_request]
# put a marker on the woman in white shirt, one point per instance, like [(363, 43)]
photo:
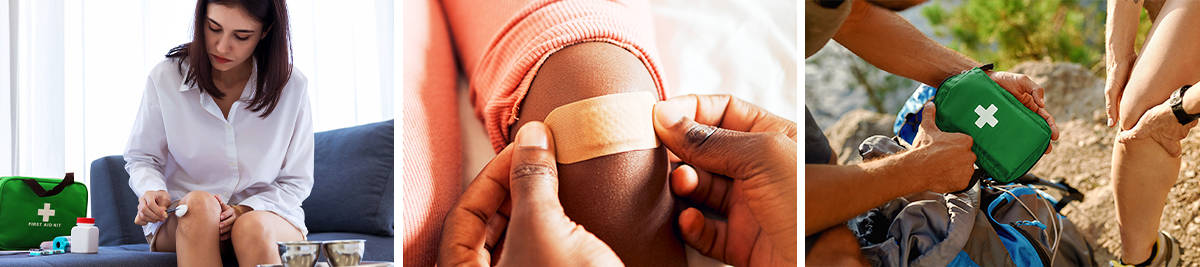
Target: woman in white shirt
[(224, 128)]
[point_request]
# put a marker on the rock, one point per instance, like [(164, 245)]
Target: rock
[(1190, 174), (853, 128), (1072, 92)]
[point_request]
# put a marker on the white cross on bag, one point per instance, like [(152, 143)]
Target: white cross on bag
[(45, 212), (986, 116)]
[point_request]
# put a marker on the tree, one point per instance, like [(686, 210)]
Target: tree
[(1007, 32)]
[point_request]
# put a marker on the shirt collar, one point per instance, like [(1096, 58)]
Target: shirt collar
[(247, 92)]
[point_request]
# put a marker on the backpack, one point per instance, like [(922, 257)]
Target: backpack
[(991, 223)]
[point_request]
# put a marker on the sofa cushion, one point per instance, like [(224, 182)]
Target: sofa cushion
[(113, 204), (353, 187), (115, 256)]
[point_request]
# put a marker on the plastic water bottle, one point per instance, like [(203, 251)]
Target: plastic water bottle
[(85, 237)]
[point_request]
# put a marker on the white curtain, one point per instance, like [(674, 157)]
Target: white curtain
[(80, 69)]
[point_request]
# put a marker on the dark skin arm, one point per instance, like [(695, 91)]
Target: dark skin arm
[(622, 198)]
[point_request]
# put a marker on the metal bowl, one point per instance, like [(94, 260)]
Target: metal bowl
[(344, 252), (299, 253)]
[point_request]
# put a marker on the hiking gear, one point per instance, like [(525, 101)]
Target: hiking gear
[(990, 224), (1164, 253), (33, 210), (1008, 137)]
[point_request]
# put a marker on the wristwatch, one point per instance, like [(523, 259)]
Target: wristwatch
[(1176, 102)]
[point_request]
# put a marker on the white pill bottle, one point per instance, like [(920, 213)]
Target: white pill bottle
[(85, 237)]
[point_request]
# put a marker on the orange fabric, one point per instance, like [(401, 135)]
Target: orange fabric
[(431, 144), (501, 44)]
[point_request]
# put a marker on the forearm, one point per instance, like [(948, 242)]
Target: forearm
[(1191, 99), (622, 198), (1120, 31), (891, 43), (836, 193)]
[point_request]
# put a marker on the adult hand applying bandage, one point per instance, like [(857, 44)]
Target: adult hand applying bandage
[(741, 162), (511, 215)]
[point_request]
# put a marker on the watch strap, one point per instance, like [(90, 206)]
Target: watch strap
[(1177, 106)]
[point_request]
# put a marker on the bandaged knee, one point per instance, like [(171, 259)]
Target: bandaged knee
[(603, 125)]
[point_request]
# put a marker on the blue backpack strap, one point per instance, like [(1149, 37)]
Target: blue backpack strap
[(962, 260), (1019, 247), (908, 119)]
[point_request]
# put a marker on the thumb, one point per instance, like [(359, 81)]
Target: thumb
[(1124, 136), (731, 153), (929, 117), (533, 177)]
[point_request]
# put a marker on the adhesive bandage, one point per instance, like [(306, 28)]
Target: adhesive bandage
[(603, 125)]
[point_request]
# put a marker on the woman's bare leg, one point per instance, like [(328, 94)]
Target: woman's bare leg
[(1143, 172), (196, 239), (254, 236), (164, 240)]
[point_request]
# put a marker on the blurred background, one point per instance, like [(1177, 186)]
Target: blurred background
[(1005, 32)]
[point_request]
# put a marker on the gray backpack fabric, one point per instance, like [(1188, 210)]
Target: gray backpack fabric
[(989, 224)]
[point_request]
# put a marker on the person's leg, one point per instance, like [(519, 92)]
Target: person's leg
[(196, 239), (164, 239), (1142, 171), (836, 246), (254, 236)]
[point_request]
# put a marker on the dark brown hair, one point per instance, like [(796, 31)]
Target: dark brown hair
[(272, 53)]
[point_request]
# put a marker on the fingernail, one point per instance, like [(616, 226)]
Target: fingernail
[(533, 135), (1110, 122), (670, 112)]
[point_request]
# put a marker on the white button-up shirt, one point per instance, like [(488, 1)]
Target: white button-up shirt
[(181, 143)]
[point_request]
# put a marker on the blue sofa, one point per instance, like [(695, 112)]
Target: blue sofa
[(351, 199)]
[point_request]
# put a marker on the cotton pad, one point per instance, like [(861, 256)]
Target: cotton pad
[(179, 211)]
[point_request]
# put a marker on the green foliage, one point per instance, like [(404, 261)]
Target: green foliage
[(1011, 31)]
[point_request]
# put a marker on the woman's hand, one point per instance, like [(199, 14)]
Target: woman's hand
[(1120, 31), (741, 163), (152, 207), (511, 214), (1159, 125), (1030, 94), (229, 214)]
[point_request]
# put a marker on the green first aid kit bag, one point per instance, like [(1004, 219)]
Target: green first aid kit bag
[(1008, 137), (33, 210)]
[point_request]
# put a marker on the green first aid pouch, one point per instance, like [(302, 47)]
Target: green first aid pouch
[(1008, 137), (33, 210)]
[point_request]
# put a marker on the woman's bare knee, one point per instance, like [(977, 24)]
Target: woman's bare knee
[(201, 206), (251, 228)]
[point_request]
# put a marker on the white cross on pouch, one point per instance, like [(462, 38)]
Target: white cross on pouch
[(986, 116), (45, 212)]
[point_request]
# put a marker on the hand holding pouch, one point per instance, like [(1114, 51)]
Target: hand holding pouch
[(1008, 137)]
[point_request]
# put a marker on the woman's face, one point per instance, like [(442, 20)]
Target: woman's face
[(231, 35)]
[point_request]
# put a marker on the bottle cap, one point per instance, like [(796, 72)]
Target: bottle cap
[(85, 220)]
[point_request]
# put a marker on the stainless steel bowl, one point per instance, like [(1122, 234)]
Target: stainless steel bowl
[(299, 253), (344, 252)]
